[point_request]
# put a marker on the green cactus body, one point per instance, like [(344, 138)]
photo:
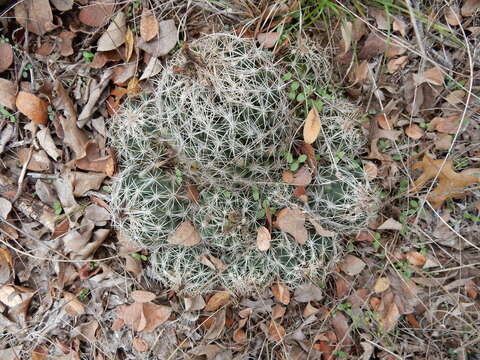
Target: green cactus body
[(223, 123)]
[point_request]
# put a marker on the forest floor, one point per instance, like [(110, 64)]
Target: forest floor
[(405, 287)]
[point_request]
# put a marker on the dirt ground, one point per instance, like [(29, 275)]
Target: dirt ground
[(404, 287)]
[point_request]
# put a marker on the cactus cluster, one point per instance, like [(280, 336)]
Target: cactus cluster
[(219, 121)]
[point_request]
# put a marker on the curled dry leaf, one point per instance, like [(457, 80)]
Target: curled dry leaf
[(320, 230), (382, 284), (263, 238), (8, 91), (373, 46), (39, 160), (142, 296), (276, 331), (114, 36), (212, 262), (400, 26), (95, 162), (5, 208), (415, 258), (148, 25), (83, 182), (46, 142), (352, 265), (293, 222), (166, 40), (433, 76), (6, 56), (35, 16), (391, 224), (452, 16), (268, 40), (32, 107), (153, 68), (397, 63), (97, 13), (347, 32), (389, 314), (312, 125), (62, 5), (341, 327), (185, 235), (281, 293), (217, 300), (216, 329), (129, 43)]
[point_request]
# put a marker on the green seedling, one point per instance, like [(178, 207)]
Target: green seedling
[(57, 207), (88, 56)]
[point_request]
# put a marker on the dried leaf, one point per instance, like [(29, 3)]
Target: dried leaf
[(302, 176), (456, 97), (129, 43), (383, 23), (433, 76), (276, 331), (141, 296), (217, 300), (341, 327), (361, 72), (389, 316), (308, 292), (148, 25), (62, 5), (239, 336), (312, 126), (8, 91), (391, 224), (470, 7), (35, 16), (83, 182), (39, 160), (281, 293), (212, 262), (263, 238), (216, 329), (6, 56), (382, 284), (450, 183), (66, 38), (194, 304), (153, 68), (415, 258), (140, 344), (32, 107), (185, 235), (320, 230), (94, 161), (155, 315), (5, 208), (347, 31), (374, 45), (46, 142), (114, 36), (352, 265), (293, 222), (443, 141), (452, 16), (278, 312), (97, 13), (73, 306), (166, 40), (210, 351), (400, 26), (397, 64), (309, 310), (448, 125), (371, 170), (74, 138), (268, 40)]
